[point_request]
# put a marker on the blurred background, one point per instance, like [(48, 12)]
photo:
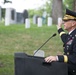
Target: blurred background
[(53, 8), (26, 24)]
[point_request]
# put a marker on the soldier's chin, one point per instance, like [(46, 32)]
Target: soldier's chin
[(65, 28)]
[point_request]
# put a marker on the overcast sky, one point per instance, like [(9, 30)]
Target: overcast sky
[(19, 5)]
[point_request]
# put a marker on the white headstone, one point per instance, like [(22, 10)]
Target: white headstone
[(39, 22), (49, 21), (27, 23), (8, 16), (59, 20), (34, 19), (0, 13), (39, 53)]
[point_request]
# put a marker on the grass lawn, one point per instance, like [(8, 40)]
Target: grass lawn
[(16, 38)]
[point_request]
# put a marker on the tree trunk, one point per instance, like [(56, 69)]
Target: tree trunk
[(56, 10), (0, 13), (74, 3)]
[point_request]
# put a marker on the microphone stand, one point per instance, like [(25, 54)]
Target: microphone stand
[(44, 43)]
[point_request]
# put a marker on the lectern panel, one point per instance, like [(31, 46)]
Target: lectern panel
[(32, 65)]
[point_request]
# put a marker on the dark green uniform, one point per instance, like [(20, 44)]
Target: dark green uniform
[(69, 45)]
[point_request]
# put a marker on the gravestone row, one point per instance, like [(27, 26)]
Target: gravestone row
[(39, 22), (13, 17)]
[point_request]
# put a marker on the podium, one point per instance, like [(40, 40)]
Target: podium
[(33, 65)]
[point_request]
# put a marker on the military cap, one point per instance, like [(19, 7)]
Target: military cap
[(70, 15)]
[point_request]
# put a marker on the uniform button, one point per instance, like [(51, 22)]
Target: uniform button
[(67, 53), (73, 70), (68, 38), (72, 37), (67, 47)]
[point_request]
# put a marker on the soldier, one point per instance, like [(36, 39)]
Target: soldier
[(69, 42)]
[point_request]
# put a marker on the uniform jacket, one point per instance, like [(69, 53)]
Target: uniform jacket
[(69, 45)]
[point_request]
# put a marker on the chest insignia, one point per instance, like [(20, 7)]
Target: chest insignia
[(70, 42)]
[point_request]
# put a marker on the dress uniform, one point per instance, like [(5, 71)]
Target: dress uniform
[(69, 44)]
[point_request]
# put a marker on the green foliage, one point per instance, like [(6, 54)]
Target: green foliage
[(35, 12), (48, 6), (69, 4), (31, 13)]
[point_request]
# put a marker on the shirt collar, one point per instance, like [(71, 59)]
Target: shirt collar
[(71, 31)]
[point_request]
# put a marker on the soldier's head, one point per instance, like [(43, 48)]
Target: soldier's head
[(69, 20)]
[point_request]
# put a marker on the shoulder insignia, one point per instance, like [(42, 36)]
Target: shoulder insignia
[(62, 33)]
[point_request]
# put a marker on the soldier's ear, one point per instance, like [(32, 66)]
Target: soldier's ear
[(74, 23)]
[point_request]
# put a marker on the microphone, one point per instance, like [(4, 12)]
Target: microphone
[(44, 43)]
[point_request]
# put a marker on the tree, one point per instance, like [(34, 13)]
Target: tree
[(48, 6), (56, 10), (74, 5), (69, 4)]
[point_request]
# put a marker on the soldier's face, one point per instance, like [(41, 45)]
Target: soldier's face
[(68, 25)]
